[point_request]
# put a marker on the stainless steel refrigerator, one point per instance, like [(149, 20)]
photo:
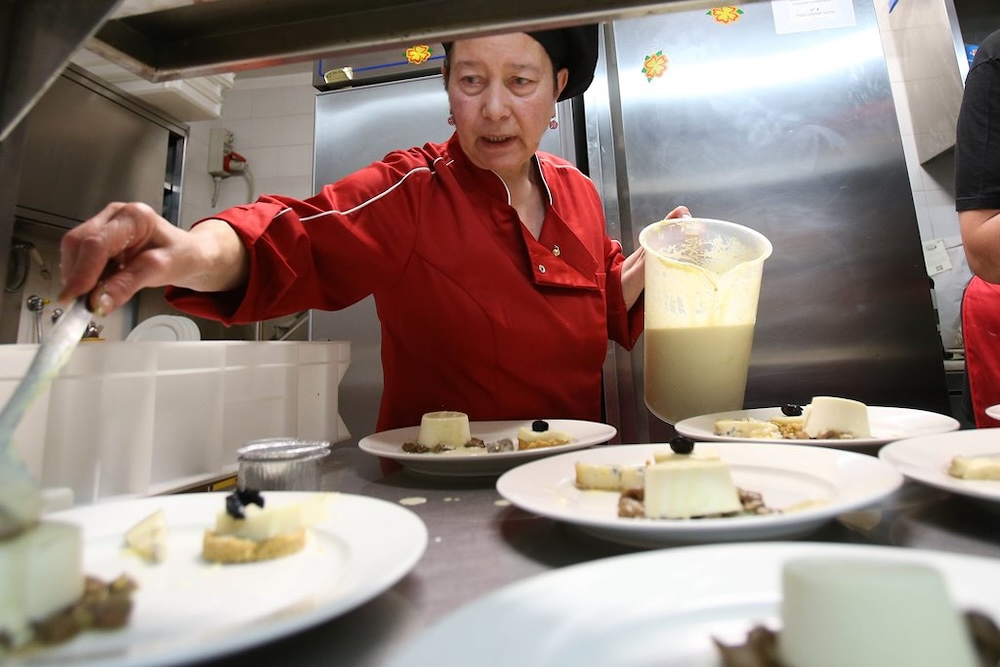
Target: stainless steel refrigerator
[(783, 122), (769, 120), (355, 126)]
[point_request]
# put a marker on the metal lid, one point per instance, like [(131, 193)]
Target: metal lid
[(282, 449)]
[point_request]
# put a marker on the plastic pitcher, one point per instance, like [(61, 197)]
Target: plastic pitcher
[(702, 287)]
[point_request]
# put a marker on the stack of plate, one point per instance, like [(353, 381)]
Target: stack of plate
[(165, 328)]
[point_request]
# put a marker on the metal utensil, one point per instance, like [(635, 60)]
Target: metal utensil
[(20, 495)]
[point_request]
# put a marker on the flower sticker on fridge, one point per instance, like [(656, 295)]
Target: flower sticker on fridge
[(726, 14), (655, 66), (418, 54)]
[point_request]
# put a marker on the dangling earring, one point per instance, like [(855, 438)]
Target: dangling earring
[(553, 124), (451, 118)]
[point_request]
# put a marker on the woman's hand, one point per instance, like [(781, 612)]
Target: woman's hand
[(127, 247), (634, 267), (679, 212)]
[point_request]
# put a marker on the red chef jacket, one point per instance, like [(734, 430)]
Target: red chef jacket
[(981, 332), (476, 315)]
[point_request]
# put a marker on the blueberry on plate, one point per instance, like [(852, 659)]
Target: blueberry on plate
[(681, 444), (240, 498)]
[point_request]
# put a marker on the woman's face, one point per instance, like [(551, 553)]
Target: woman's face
[(502, 93)]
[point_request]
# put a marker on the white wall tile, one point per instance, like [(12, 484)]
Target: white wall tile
[(271, 119), (236, 104), (274, 131), (941, 207), (298, 100), (264, 161), (266, 103), (938, 197), (295, 160), (291, 186)]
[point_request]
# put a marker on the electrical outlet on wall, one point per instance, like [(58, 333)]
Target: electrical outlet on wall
[(220, 144)]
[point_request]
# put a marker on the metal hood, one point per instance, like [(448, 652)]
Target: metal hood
[(161, 40), (198, 37)]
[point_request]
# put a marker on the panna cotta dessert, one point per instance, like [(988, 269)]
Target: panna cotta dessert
[(830, 417), (448, 432), (447, 427), (677, 484), (685, 487), (41, 574), (868, 613)]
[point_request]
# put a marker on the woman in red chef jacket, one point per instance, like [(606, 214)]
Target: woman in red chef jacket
[(496, 285)]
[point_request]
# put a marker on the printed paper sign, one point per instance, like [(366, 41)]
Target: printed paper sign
[(936, 257), (803, 15)]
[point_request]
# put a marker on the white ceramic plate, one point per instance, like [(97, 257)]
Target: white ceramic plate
[(887, 424), (830, 481), (389, 444), (658, 608), (993, 411), (188, 610), (926, 459), (191, 330), (165, 328)]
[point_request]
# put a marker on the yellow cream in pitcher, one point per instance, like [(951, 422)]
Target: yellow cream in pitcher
[(702, 287), (680, 383)]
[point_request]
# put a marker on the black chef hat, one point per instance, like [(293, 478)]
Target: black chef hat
[(573, 48)]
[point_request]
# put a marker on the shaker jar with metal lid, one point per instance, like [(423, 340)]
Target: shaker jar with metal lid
[(281, 464)]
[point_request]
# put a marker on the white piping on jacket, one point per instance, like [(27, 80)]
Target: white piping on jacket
[(360, 206)]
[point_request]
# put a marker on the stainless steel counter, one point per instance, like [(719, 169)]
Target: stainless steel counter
[(478, 543)]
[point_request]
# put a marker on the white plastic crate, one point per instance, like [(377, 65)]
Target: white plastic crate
[(127, 418)]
